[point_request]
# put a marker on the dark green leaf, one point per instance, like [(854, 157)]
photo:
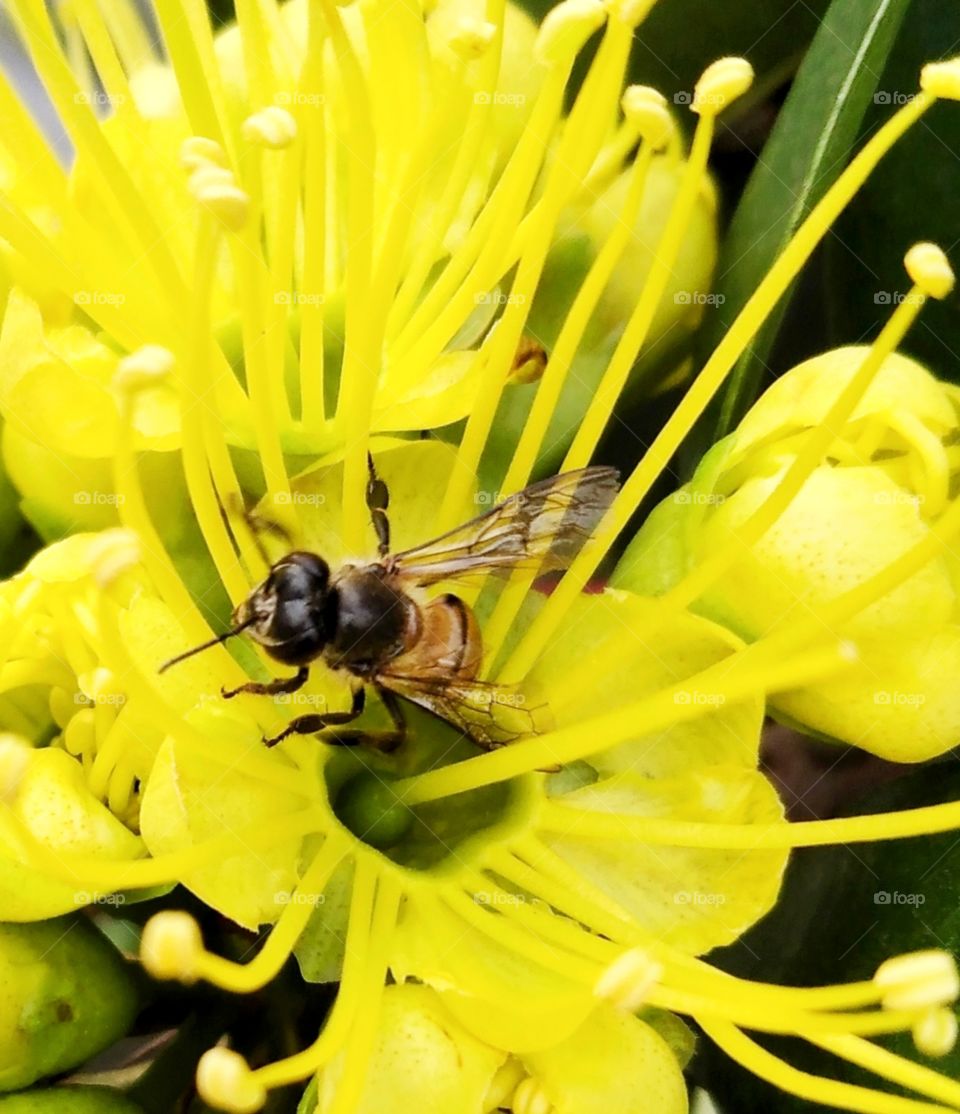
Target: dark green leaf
[(913, 195), (842, 912), (809, 146)]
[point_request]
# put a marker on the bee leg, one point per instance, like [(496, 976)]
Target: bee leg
[(378, 500), (258, 525), (313, 722), (270, 688), (385, 741)]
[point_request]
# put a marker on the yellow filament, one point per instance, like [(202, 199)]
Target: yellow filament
[(130, 36), (714, 372), (134, 514), (189, 42), (242, 978), (888, 1065), (638, 327), (429, 244), (102, 51), (257, 42), (281, 235), (657, 832), (253, 761), (781, 1018), (105, 876), (195, 417), (810, 455), (358, 954), (350, 1085), (365, 301), (728, 681), (522, 942), (115, 188), (265, 394), (813, 1088), (311, 121), (578, 145), (548, 393)]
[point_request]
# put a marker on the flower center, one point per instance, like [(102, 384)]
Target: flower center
[(369, 801)]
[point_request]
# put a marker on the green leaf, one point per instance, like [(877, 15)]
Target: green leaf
[(911, 196), (680, 38), (842, 912), (808, 148)]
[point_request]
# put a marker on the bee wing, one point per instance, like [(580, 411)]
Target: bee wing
[(540, 528), (491, 715)]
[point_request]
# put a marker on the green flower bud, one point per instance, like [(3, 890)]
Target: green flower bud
[(872, 497), (65, 994), (69, 1100), (424, 1060)]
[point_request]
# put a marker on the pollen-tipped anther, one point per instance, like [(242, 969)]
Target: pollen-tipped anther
[(170, 946), (935, 1034), (145, 367), (942, 79), (198, 150), (645, 109), (627, 982), (918, 980), (930, 269), (720, 84), (566, 28), (471, 38), (216, 189), (272, 127), (225, 1082)]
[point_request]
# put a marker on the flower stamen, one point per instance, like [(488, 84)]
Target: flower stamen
[(709, 380), (242, 978)]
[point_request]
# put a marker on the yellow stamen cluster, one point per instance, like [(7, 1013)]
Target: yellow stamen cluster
[(516, 892)]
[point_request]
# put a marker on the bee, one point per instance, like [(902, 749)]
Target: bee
[(377, 623)]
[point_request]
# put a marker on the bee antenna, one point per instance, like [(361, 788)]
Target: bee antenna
[(205, 645)]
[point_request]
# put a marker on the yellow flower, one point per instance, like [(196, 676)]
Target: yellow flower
[(613, 1061), (878, 486), (533, 904), (400, 167)]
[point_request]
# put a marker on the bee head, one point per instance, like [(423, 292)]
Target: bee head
[(288, 613)]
